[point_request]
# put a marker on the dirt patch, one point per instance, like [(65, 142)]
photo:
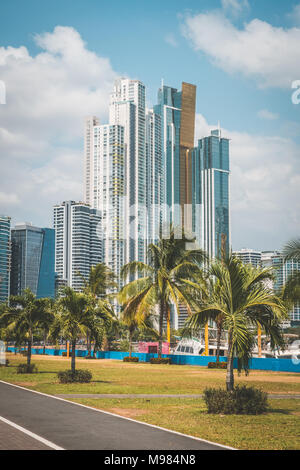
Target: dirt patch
[(128, 412), (26, 384)]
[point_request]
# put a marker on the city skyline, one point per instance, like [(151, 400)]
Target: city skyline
[(57, 71)]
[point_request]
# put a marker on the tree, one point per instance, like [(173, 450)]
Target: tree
[(24, 317), (101, 280), (240, 294), (47, 319), (134, 324), (73, 318), (170, 277), (291, 290)]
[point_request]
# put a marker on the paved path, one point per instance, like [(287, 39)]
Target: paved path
[(71, 426), (14, 439), (146, 395)]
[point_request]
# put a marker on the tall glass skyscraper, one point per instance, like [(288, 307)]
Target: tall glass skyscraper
[(210, 183), (32, 264), (5, 257), (177, 112)]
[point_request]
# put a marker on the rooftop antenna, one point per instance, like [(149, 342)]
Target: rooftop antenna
[(162, 84)]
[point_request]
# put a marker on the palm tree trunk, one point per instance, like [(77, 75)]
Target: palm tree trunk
[(130, 343), (73, 356), (29, 351), (229, 374), (160, 331), (44, 348), (88, 344), (219, 332)]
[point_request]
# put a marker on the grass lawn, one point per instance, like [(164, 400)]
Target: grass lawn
[(277, 429), (112, 376)]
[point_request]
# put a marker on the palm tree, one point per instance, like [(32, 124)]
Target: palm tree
[(291, 291), (101, 280), (73, 317), (133, 324), (242, 297), (24, 316), (170, 277), (47, 319)]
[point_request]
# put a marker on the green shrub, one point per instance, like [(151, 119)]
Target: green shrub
[(242, 401), (80, 375), (27, 369), (217, 365), (160, 360), (130, 359)]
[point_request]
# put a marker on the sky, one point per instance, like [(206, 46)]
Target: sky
[(59, 60)]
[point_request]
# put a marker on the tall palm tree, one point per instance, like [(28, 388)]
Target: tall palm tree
[(73, 318), (291, 291), (25, 316), (101, 280), (170, 276), (242, 297), (134, 323), (47, 318)]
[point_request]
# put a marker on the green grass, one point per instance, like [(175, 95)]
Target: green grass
[(276, 430), (118, 377)]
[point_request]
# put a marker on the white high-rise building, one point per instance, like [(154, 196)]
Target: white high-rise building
[(155, 176), (249, 256), (78, 246), (127, 108), (123, 175)]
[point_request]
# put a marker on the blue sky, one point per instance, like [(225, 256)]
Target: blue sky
[(221, 46)]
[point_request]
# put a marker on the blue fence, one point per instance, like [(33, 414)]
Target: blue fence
[(280, 365)]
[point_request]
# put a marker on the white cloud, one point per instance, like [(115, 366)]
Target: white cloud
[(265, 179), (268, 54), (235, 7), (41, 132), (268, 115), (294, 15), (171, 40), (9, 199)]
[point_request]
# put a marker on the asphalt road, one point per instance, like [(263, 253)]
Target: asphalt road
[(74, 427)]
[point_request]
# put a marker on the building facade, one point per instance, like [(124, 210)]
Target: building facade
[(32, 260), (249, 256), (177, 113), (5, 258), (211, 194), (78, 244)]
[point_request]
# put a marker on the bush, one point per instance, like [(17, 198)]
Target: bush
[(130, 359), (90, 357), (80, 375), (217, 365), (241, 401), (160, 360), (27, 369)]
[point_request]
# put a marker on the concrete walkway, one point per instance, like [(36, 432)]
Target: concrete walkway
[(71, 426)]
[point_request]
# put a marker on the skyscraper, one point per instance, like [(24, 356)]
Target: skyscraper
[(177, 112), (32, 262), (78, 244), (128, 109), (249, 256), (5, 258), (210, 183), (283, 269)]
